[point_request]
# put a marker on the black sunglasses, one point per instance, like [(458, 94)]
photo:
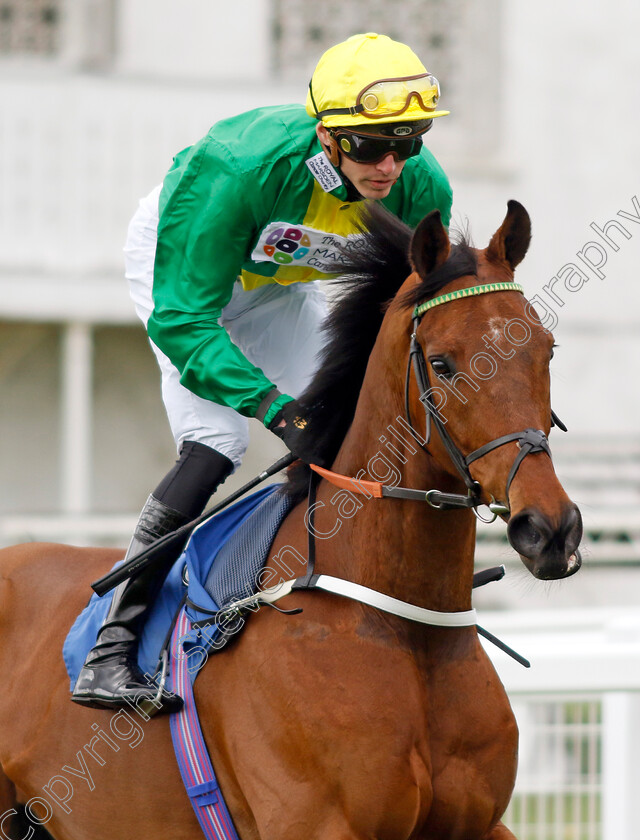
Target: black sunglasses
[(364, 149)]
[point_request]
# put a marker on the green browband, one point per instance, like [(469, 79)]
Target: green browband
[(464, 293)]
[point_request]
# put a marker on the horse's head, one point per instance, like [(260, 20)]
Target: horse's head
[(481, 364)]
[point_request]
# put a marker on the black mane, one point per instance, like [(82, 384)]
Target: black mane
[(370, 279)]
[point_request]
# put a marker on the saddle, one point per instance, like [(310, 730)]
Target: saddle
[(220, 564)]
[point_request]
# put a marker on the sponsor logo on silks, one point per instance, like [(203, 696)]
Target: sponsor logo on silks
[(287, 244), (324, 172)]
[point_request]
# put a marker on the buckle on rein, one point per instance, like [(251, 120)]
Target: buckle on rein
[(447, 501)]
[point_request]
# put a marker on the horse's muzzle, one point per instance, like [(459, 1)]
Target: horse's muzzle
[(549, 550)]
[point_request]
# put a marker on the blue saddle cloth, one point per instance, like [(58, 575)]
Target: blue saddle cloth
[(223, 559)]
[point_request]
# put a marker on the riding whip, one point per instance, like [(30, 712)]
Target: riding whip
[(145, 558)]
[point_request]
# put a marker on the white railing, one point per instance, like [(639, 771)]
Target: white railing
[(560, 787), (578, 710)]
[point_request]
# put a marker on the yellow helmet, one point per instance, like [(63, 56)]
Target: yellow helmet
[(370, 77)]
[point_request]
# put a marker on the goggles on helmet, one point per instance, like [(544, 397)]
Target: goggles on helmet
[(363, 148), (391, 97)]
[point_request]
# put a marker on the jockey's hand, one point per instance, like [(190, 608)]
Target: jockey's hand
[(289, 424)]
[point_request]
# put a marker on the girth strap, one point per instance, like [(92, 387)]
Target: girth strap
[(193, 758)]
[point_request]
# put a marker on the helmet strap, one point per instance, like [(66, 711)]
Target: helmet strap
[(334, 152)]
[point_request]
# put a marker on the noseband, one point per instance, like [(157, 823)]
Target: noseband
[(529, 441)]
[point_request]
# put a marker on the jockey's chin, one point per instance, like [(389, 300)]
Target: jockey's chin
[(373, 180)]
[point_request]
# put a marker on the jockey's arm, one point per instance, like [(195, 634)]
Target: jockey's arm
[(207, 226)]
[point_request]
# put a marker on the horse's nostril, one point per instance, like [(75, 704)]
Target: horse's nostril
[(572, 528), (548, 549), (526, 533)]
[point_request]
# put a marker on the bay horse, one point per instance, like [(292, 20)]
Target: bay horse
[(342, 722)]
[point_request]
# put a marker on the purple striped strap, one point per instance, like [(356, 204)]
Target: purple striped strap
[(191, 751)]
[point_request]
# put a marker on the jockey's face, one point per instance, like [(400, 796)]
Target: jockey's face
[(372, 180)]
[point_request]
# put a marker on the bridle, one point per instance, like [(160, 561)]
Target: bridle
[(529, 441)]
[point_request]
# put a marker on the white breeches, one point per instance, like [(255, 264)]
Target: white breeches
[(276, 327)]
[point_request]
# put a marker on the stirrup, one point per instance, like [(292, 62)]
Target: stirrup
[(150, 705)]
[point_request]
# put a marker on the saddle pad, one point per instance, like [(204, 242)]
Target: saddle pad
[(204, 551), (240, 560)]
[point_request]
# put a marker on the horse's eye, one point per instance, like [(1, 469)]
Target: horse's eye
[(551, 355), (441, 366)]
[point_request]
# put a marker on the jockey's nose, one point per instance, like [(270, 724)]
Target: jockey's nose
[(387, 164)]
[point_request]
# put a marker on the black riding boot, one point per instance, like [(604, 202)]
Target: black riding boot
[(111, 677)]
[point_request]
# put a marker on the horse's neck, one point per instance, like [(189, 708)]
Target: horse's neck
[(404, 548)]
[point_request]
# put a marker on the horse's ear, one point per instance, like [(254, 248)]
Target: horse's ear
[(430, 244), (510, 242)]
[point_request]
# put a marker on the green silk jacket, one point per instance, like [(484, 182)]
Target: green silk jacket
[(255, 201)]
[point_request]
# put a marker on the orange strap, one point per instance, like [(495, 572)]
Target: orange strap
[(355, 485)]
